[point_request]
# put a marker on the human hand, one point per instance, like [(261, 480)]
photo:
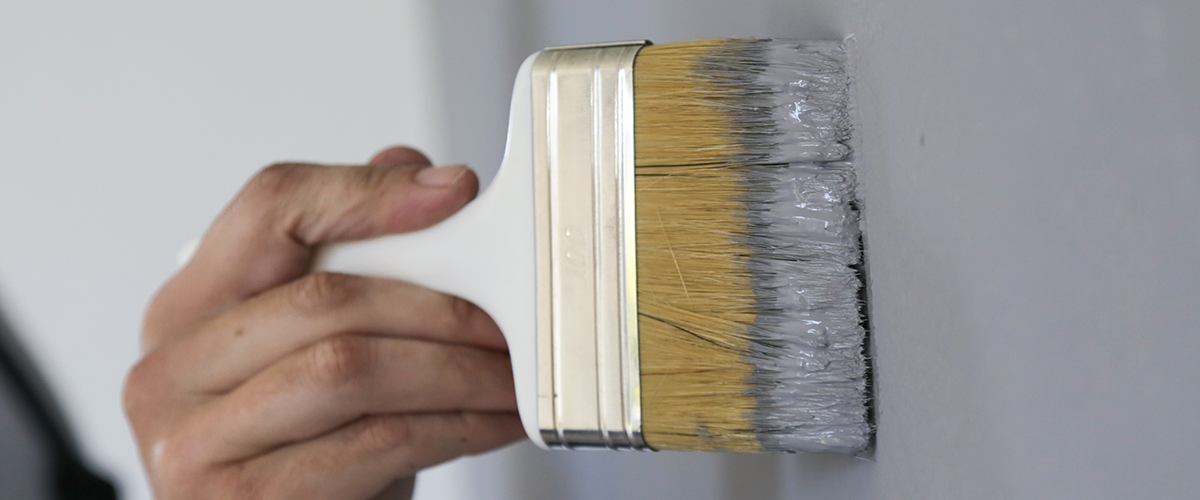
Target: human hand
[(261, 380)]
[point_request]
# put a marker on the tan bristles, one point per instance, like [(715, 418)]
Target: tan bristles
[(694, 303), (678, 121), (702, 241), (695, 297)]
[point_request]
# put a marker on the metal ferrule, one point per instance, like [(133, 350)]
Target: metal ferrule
[(588, 377)]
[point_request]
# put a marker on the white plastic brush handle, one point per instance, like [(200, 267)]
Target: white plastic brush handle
[(485, 253)]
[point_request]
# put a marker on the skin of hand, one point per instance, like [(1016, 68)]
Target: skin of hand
[(261, 379)]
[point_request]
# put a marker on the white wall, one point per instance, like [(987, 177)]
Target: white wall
[(126, 125)]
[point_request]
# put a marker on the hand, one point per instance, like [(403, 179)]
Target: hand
[(261, 380)]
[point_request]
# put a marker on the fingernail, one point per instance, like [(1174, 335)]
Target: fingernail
[(441, 177)]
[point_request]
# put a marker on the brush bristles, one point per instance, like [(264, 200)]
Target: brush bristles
[(747, 239)]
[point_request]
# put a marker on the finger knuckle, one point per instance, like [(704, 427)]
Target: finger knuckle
[(173, 468), (461, 309), (320, 293), (458, 313), (263, 193), (277, 179), (237, 482), (385, 433), (471, 424), (469, 431), (340, 362), (137, 392), (375, 178), (465, 367), (158, 316)]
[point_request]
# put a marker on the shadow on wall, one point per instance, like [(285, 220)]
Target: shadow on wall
[(524, 471), (782, 476)]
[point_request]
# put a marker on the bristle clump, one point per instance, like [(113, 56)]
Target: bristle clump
[(748, 246)]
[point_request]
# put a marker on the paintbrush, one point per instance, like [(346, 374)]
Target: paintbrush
[(671, 248)]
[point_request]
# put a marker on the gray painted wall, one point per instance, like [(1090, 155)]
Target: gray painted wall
[(1031, 175)]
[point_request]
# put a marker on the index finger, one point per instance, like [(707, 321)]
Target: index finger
[(269, 233)]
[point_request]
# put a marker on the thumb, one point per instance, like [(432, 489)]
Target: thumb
[(268, 234)]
